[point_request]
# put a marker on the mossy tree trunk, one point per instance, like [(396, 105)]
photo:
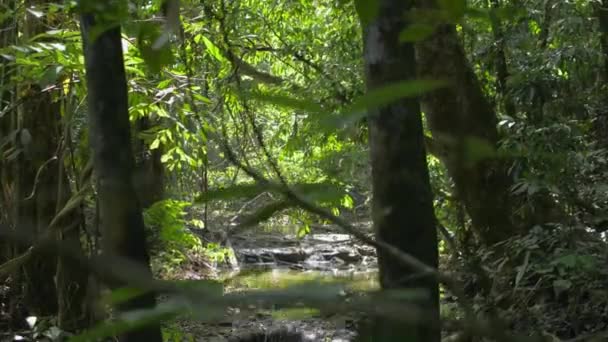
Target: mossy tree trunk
[(402, 200), (122, 224)]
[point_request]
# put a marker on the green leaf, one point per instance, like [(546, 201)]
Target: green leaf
[(477, 149), (122, 295), (303, 231), (454, 9), (289, 102), (347, 202), (561, 285), (320, 192), (383, 96), (232, 192), (212, 49), (129, 321), (416, 32), (393, 92), (367, 10), (51, 76), (264, 213), (36, 13), (155, 58), (522, 269), (155, 144)]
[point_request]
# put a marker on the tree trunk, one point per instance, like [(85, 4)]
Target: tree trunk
[(601, 123), (402, 200), (38, 195), (8, 34), (39, 139), (500, 63), (149, 172), (70, 279), (462, 120), (122, 224)]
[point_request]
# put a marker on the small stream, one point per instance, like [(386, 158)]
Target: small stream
[(274, 262)]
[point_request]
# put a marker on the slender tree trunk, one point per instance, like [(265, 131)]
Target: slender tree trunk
[(122, 224), (40, 140), (500, 63), (44, 189), (539, 94), (601, 123), (402, 200), (39, 195), (8, 33), (149, 172), (9, 167), (70, 279)]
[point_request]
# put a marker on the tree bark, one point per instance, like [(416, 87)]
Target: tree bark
[(122, 224), (402, 201), (38, 165), (601, 123), (38, 195), (463, 121), (70, 278), (8, 33), (500, 63), (149, 172)]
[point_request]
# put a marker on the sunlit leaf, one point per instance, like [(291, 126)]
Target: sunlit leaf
[(303, 231), (212, 49), (347, 202), (31, 321)]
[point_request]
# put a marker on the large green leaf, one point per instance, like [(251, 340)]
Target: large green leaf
[(454, 9), (212, 49), (264, 213), (232, 192), (380, 97), (155, 58), (367, 10), (416, 32), (130, 321), (309, 106), (386, 95)]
